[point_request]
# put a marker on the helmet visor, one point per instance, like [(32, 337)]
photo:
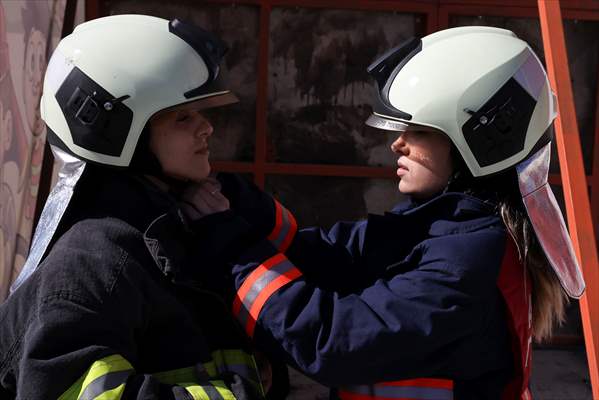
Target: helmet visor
[(218, 99), (387, 123)]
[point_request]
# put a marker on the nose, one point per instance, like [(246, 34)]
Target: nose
[(400, 144), (205, 128)]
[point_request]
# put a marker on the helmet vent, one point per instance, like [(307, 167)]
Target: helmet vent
[(84, 107), (92, 125), (498, 129)]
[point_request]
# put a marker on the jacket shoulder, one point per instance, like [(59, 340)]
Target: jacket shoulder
[(86, 261), (475, 255)]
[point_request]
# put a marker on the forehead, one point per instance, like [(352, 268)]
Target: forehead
[(433, 140), (172, 114)]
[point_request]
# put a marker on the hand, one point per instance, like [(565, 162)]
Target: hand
[(267, 217), (249, 202), (205, 198)]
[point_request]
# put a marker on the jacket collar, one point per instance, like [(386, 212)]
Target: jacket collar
[(448, 213)]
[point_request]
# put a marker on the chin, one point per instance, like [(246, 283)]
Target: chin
[(415, 193), (404, 189), (201, 175)]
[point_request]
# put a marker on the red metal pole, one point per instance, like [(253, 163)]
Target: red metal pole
[(262, 96), (573, 177), (595, 177), (93, 9)]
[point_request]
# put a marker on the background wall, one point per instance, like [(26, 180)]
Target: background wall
[(298, 67), (29, 31)]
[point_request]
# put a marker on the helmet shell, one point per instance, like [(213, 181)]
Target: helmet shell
[(106, 79), (481, 86)]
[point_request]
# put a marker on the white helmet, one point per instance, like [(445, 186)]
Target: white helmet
[(106, 79), (481, 86), (102, 85), (488, 92)]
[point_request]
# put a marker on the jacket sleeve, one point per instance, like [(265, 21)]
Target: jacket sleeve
[(86, 347), (402, 325), (102, 368), (264, 217)]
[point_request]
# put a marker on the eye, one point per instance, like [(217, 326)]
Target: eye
[(182, 117)]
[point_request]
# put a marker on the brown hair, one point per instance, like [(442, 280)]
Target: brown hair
[(548, 298)]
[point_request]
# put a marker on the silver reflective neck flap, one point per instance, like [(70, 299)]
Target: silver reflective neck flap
[(70, 171), (548, 222)]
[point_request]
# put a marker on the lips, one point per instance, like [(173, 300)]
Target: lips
[(202, 150), (402, 169), (402, 165)]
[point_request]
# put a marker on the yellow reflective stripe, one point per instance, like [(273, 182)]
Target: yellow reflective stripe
[(101, 368), (222, 357), (228, 360), (114, 363), (176, 376), (235, 361), (105, 366), (196, 391), (211, 369), (223, 390), (113, 394), (72, 393), (200, 392)]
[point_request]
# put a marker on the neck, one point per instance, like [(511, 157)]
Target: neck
[(160, 184), (173, 186)]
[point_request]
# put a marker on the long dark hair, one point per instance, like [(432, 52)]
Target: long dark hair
[(548, 298)]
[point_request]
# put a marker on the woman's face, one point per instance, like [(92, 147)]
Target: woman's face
[(179, 140), (425, 164)]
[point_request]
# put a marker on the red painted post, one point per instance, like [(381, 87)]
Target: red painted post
[(262, 96), (573, 177), (595, 176)]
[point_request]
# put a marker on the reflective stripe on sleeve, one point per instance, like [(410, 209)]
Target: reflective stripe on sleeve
[(240, 363), (105, 379), (413, 389), (285, 228), (223, 361), (177, 376), (214, 390), (257, 288)]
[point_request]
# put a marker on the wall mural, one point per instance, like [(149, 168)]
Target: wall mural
[(29, 30)]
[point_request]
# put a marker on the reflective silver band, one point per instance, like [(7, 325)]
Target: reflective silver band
[(104, 383), (259, 285)]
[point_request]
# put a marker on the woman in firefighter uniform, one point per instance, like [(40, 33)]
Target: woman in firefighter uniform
[(104, 307), (441, 297)]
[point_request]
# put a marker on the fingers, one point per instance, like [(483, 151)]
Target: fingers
[(205, 198), (190, 210)]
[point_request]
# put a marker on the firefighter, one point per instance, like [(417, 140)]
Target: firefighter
[(441, 297), (104, 307)]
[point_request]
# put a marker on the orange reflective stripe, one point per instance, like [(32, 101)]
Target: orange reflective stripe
[(423, 382), (410, 389), (251, 279), (261, 283), (285, 228)]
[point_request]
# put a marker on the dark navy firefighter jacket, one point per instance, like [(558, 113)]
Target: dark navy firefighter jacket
[(112, 314), (411, 294)]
